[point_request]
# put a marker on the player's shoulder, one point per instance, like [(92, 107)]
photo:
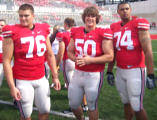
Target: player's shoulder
[(9, 29), (141, 23), (115, 24), (77, 28), (105, 29), (60, 34), (42, 25), (140, 20), (61, 30)]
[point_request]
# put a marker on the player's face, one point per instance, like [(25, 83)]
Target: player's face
[(2, 23), (26, 18), (124, 11), (90, 21)]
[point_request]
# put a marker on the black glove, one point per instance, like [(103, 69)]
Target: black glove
[(110, 78), (150, 82)]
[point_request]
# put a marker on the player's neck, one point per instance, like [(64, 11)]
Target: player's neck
[(68, 29), (88, 28), (31, 27), (125, 21)]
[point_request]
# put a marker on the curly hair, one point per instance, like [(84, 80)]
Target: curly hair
[(91, 11)]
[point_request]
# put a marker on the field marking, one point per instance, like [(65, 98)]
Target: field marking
[(34, 108), (51, 112)]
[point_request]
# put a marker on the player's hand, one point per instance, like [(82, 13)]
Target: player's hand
[(84, 60), (15, 93), (110, 78), (57, 85), (150, 82)]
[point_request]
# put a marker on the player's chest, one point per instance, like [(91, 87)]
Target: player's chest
[(26, 38), (126, 37), (85, 39), (30, 43)]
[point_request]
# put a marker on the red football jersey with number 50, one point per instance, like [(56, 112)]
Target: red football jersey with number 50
[(129, 53), (90, 44), (29, 50)]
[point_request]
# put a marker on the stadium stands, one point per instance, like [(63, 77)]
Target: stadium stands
[(55, 11)]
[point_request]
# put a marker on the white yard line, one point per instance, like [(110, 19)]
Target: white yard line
[(51, 112)]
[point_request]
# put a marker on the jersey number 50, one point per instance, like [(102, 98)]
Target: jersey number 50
[(84, 50), (31, 45)]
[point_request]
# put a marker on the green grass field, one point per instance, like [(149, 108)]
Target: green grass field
[(110, 106)]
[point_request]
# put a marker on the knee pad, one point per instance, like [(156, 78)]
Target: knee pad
[(124, 98), (74, 103), (135, 103), (92, 101), (44, 109), (25, 109)]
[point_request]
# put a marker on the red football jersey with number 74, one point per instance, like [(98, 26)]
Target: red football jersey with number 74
[(129, 53)]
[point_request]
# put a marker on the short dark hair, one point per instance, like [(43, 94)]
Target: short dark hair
[(91, 11), (123, 2), (70, 22), (26, 7)]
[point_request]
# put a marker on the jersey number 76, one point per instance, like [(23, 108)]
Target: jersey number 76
[(32, 41)]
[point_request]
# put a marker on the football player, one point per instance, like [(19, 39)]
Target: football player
[(63, 37), (2, 23), (132, 45), (90, 48), (29, 43)]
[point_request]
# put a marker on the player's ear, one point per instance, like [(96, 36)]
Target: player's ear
[(130, 9), (33, 15)]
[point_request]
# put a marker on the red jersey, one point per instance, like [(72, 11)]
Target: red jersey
[(129, 53), (90, 44), (1, 51), (65, 37), (29, 50)]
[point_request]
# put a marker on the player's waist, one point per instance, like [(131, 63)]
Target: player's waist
[(130, 66), (91, 67)]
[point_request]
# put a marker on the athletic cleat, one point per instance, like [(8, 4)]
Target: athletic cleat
[(65, 86), (85, 108)]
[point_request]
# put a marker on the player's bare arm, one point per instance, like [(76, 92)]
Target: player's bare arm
[(71, 50), (7, 56), (145, 41), (112, 63), (52, 64), (107, 47), (60, 52)]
